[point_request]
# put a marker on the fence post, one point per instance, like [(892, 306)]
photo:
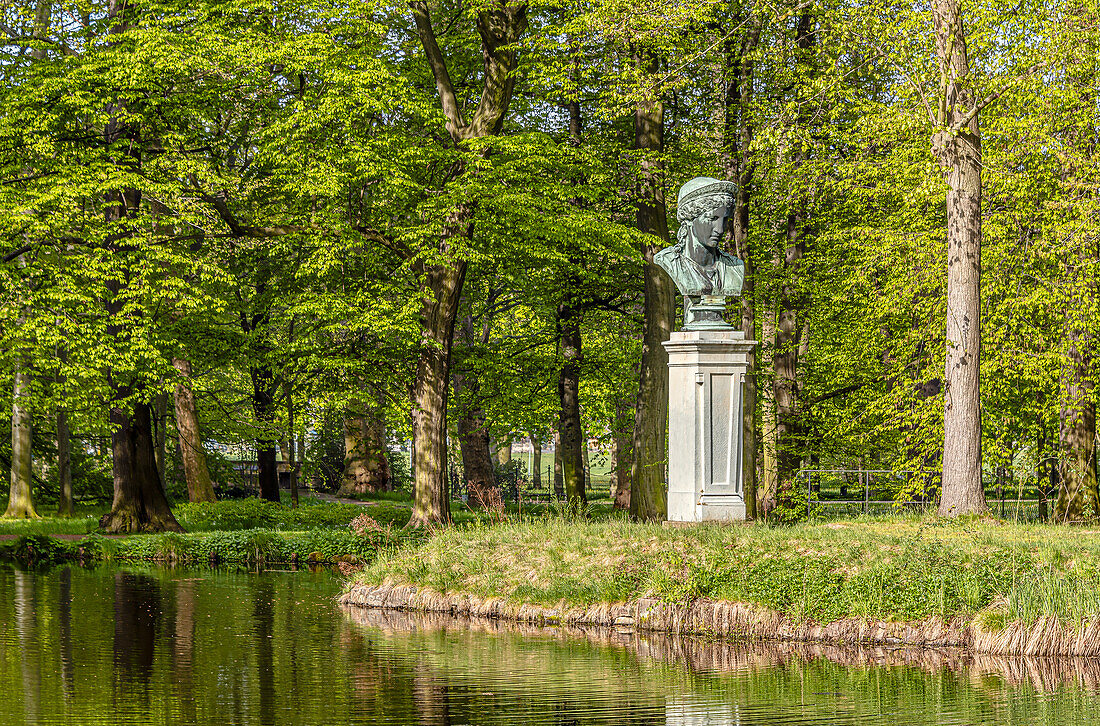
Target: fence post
[(865, 478)]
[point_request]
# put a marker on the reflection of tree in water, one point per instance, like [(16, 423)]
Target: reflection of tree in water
[(263, 617), (592, 674), (64, 629), (26, 624), (431, 697), (183, 648), (462, 675), (381, 685), (137, 616)]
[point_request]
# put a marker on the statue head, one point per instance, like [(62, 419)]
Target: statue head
[(702, 208)]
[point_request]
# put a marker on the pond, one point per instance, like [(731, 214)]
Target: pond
[(158, 646)]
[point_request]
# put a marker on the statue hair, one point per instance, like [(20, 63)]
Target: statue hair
[(688, 211)]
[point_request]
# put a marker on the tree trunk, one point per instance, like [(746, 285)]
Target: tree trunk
[(536, 462), (957, 144), (64, 448), (739, 132), (293, 452), (473, 437), (1078, 495), (788, 344), (432, 502), (160, 421), (504, 453), (64, 466), (263, 405), (200, 487), (621, 447), (20, 498), (648, 491), (766, 495), (139, 504), (559, 488), (569, 413), (366, 468)]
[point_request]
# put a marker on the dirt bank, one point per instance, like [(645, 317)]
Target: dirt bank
[(738, 621)]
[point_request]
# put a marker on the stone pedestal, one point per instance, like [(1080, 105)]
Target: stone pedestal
[(706, 384)]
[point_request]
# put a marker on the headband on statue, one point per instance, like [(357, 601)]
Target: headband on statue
[(703, 193)]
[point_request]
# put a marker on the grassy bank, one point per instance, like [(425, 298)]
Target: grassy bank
[(890, 570)]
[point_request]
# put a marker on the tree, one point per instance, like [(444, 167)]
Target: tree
[(648, 495), (957, 145), (200, 487), (443, 270)]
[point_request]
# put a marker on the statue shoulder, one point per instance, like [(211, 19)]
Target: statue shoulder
[(668, 254), (729, 259)]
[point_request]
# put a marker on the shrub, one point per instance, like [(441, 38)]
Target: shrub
[(230, 514)]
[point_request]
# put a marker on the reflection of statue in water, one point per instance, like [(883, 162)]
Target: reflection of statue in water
[(703, 273)]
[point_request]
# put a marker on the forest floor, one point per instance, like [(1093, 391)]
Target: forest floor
[(944, 576)]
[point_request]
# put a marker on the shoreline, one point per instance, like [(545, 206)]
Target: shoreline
[(709, 655), (735, 621)]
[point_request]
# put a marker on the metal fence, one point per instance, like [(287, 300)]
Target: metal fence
[(838, 493)]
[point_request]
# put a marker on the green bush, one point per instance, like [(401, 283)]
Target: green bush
[(37, 550)]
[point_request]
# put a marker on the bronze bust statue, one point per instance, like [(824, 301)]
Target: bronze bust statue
[(703, 273)]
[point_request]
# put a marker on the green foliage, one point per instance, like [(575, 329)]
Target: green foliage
[(37, 550), (254, 513), (82, 523), (250, 546)]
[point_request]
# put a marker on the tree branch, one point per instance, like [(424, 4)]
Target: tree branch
[(991, 98), (455, 124), (17, 253)]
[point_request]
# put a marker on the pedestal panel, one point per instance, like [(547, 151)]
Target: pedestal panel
[(707, 371)]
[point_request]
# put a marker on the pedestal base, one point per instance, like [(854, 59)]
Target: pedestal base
[(705, 429)]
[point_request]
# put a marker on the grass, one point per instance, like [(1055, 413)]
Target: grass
[(894, 569)]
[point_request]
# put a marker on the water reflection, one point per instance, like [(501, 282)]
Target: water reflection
[(151, 646), (263, 616), (65, 631), (26, 625)]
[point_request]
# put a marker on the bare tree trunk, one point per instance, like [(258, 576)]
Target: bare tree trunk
[(366, 468), (536, 462), (621, 447), (739, 132), (504, 453), (20, 498), (432, 502), (139, 504), (473, 437), (957, 145), (160, 421), (293, 452), (559, 487), (200, 487), (1078, 493), (64, 448), (766, 495), (263, 405), (569, 414), (648, 491), (64, 466), (788, 342)]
